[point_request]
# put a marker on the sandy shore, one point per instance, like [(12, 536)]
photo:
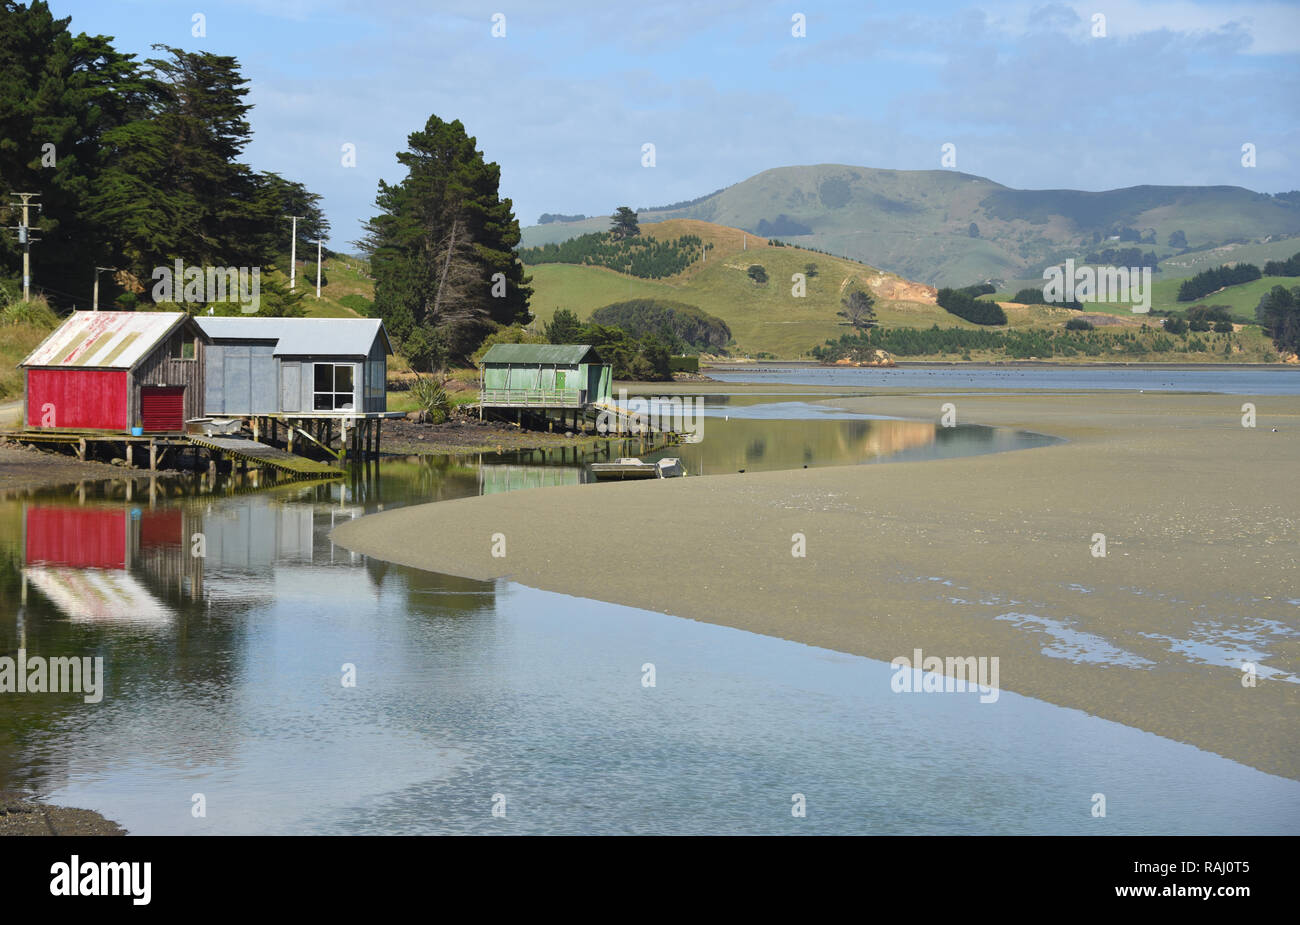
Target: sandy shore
[(978, 556), (22, 814)]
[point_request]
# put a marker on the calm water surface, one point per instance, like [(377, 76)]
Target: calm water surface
[(1235, 381), (224, 678)]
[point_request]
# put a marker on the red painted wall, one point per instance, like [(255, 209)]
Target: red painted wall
[(161, 528), (76, 537), (89, 398)]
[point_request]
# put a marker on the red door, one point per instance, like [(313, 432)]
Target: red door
[(162, 408)]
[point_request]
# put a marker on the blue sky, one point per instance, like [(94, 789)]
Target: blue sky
[(566, 99)]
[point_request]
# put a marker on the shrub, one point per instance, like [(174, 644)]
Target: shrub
[(36, 313), (431, 398), (1078, 324), (757, 273), (425, 349)]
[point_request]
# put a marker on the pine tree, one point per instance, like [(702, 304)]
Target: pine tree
[(64, 91), (445, 225)]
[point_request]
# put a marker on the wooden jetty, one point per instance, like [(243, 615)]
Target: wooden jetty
[(254, 454), (243, 452)]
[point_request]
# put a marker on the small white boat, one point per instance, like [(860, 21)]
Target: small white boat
[(214, 426), (631, 467)]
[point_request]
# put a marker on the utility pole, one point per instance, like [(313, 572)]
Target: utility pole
[(94, 300), (318, 247), (293, 253), (25, 239)]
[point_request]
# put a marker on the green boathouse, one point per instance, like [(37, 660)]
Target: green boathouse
[(543, 377)]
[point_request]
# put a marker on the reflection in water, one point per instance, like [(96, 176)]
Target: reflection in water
[(224, 657), (757, 444)]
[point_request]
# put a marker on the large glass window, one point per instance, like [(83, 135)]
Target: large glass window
[(333, 388)]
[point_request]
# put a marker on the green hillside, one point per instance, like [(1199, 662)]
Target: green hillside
[(917, 223), (763, 318), (1240, 299)]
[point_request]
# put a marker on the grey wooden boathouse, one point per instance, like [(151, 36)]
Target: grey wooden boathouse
[(299, 367)]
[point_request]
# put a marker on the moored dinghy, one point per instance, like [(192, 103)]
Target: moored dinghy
[(631, 467)]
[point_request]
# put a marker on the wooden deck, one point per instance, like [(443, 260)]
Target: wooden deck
[(259, 454), (249, 452), (533, 398)]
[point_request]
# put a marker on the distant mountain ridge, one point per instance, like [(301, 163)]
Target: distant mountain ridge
[(943, 227)]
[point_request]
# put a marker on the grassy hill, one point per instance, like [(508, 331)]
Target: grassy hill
[(345, 277), (1240, 299), (917, 223), (763, 318)]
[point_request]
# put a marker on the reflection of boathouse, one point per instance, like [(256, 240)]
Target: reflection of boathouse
[(92, 562)]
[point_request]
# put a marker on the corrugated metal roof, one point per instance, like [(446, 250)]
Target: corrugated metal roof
[(301, 336), (104, 340), (539, 353)]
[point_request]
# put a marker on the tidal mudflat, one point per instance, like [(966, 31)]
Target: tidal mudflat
[(987, 555)]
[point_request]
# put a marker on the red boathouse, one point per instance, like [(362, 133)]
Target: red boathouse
[(112, 371)]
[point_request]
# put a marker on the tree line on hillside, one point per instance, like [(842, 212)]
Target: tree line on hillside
[(136, 164), (1288, 267), (1033, 295), (1016, 344), (682, 327), (1212, 280), (547, 218), (1124, 257), (966, 306), (646, 258)]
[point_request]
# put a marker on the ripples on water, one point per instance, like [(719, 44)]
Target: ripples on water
[(224, 678)]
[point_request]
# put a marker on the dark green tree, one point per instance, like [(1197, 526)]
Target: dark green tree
[(623, 223), (173, 185), (1178, 239), (859, 309), (443, 248), (59, 94), (565, 328), (757, 273), (1278, 313)]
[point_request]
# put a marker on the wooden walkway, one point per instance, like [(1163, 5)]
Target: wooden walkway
[(262, 455)]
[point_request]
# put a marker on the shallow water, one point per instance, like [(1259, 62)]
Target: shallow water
[(1234, 381), (225, 679)]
